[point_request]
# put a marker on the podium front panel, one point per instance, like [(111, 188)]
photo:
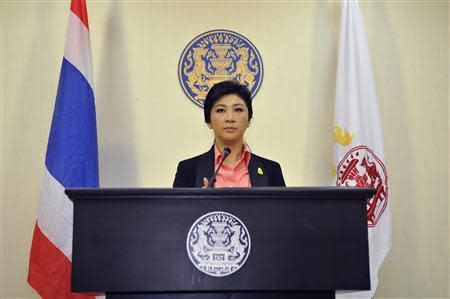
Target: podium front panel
[(301, 239)]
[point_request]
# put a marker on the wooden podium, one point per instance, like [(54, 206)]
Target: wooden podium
[(305, 242)]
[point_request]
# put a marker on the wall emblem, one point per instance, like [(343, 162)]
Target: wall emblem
[(361, 168), (216, 56), (218, 244)]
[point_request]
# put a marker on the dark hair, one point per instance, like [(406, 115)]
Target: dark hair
[(225, 88)]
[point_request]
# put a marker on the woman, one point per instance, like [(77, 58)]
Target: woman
[(228, 111)]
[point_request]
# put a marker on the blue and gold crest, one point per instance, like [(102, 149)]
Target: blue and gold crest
[(216, 56)]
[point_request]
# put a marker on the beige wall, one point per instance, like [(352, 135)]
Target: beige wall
[(146, 124)]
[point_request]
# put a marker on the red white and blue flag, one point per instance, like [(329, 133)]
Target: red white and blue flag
[(71, 162)]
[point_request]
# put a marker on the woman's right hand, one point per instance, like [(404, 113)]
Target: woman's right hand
[(205, 183)]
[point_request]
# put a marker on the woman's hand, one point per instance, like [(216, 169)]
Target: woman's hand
[(205, 183)]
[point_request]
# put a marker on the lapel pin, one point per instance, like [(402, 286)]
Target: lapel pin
[(260, 171)]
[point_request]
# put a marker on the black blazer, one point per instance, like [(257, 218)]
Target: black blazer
[(190, 172)]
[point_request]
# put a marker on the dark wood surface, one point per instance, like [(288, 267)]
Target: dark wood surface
[(302, 239)]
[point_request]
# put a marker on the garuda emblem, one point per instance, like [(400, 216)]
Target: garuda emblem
[(361, 168), (218, 244), (216, 56)]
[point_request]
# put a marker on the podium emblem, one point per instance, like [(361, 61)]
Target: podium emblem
[(218, 244)]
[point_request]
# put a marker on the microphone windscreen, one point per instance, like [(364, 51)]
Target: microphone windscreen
[(226, 151)]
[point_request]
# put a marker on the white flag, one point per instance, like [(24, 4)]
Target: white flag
[(358, 154)]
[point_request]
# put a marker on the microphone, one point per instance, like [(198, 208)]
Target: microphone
[(212, 181)]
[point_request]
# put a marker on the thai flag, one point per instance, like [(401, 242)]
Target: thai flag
[(71, 162)]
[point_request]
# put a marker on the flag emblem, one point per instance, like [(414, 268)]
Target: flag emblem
[(341, 137), (218, 244), (217, 56), (361, 168)]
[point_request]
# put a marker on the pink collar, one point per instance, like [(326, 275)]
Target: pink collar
[(245, 155)]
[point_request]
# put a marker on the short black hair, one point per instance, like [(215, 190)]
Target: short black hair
[(225, 88)]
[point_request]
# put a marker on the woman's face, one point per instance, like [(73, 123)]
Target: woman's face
[(229, 119)]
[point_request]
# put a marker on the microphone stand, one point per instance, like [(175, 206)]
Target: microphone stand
[(212, 180)]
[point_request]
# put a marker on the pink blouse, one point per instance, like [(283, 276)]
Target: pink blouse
[(236, 176)]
